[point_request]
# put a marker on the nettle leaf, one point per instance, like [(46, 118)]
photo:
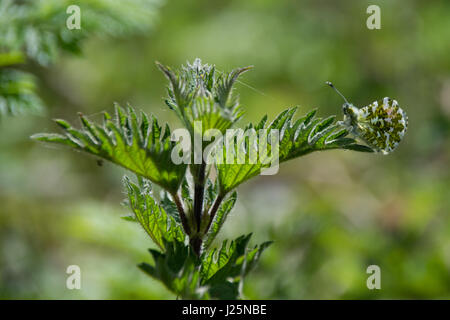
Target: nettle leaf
[(216, 275), (138, 145), (199, 93), (221, 215), (223, 91), (296, 138), (207, 111), (178, 269), (186, 195), (169, 205), (129, 218), (210, 193), (224, 268), (160, 226), (310, 133)]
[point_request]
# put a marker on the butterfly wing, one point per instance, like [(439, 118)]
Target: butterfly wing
[(382, 124)]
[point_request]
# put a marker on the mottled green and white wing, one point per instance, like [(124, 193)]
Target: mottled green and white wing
[(382, 125)]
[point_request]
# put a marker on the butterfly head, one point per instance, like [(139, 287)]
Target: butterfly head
[(349, 110)]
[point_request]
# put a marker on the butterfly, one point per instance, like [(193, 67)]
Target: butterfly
[(381, 125)]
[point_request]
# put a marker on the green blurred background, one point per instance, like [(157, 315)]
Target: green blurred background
[(330, 214)]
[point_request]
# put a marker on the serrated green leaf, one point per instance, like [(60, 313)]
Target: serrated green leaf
[(217, 274), (178, 269), (129, 218), (226, 267), (223, 263), (358, 147), (198, 93), (297, 138), (152, 217), (169, 206), (221, 215), (127, 142)]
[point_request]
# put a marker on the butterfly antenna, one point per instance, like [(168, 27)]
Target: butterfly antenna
[(338, 92)]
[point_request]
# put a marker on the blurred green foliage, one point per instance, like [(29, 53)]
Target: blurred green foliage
[(330, 215), (36, 30)]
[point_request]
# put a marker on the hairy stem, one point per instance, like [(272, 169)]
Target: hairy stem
[(182, 213), (196, 245), (199, 191), (214, 209)]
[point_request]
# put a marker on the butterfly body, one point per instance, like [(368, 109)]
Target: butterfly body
[(382, 124)]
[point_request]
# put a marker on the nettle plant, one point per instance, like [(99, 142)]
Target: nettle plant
[(196, 196)]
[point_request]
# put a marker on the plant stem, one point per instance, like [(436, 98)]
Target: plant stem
[(196, 244), (199, 191), (182, 213), (214, 209)]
